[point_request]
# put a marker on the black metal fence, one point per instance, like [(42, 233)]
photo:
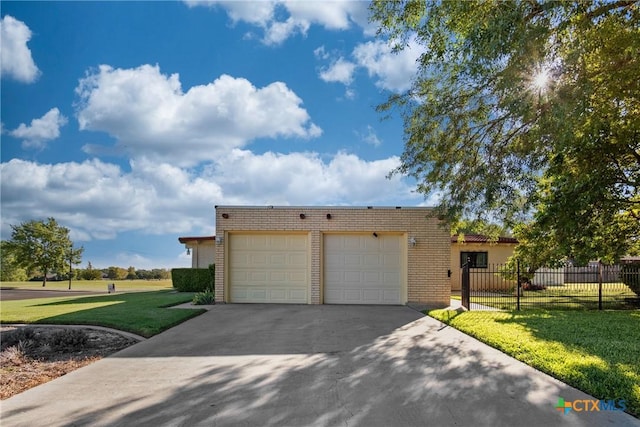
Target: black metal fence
[(505, 287)]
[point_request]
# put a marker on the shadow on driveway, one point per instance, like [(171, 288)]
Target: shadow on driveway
[(271, 365)]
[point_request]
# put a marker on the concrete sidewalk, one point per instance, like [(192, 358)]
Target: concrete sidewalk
[(276, 365)]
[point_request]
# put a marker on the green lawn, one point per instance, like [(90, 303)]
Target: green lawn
[(567, 296), (595, 351), (143, 313), (95, 285)]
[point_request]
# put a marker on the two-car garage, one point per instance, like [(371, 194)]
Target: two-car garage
[(330, 255), (275, 268)]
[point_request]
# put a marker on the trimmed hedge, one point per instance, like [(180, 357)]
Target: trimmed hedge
[(630, 276), (193, 279)]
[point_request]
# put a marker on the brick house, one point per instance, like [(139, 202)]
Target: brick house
[(331, 255), (485, 255), (201, 249)]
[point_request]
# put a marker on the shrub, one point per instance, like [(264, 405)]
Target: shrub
[(24, 337), (192, 279), (68, 339), (528, 286), (204, 298), (630, 276)]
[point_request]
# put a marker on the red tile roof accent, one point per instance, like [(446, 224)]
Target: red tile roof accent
[(478, 238)]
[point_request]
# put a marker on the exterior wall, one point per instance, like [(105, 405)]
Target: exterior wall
[(497, 253), (427, 262), (202, 253)]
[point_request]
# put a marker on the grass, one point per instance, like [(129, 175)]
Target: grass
[(567, 296), (595, 351), (143, 313), (95, 285)]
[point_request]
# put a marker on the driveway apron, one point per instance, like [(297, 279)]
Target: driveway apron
[(296, 365)]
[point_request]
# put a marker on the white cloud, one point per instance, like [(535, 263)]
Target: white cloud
[(389, 70), (393, 71), (283, 19), (340, 71), (370, 137), (150, 116), (15, 57), (98, 200), (321, 53), (41, 130)]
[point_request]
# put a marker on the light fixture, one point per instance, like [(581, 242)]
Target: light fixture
[(412, 241), (219, 240), (188, 251), (328, 216), (302, 216), (375, 234), (225, 215)]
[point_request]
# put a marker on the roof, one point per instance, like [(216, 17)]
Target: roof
[(195, 239), (479, 238), (425, 208)]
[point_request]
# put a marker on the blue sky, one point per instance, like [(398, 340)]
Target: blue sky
[(129, 121)]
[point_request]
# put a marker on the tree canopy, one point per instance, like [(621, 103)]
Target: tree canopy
[(527, 112), (42, 246)]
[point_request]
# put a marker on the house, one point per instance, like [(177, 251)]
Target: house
[(331, 255), (483, 254), (201, 249)]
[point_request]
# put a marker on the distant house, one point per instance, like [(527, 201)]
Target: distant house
[(202, 250), (481, 251)]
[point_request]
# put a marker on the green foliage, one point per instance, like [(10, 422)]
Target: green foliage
[(91, 273), (116, 273), (9, 269), (630, 276), (192, 279), (204, 298), (484, 130), (43, 246)]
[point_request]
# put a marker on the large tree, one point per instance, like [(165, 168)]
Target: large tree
[(43, 247), (527, 112), (9, 270)]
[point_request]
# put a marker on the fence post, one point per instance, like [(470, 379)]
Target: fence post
[(466, 285), (519, 285), (599, 285)]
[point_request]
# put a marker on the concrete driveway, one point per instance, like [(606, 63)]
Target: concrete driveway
[(276, 365)]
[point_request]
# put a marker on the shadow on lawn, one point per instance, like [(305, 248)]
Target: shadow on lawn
[(142, 313), (605, 335)]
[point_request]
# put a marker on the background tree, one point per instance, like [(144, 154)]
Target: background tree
[(131, 273), (42, 246), (527, 112), (116, 273), (91, 273), (9, 269)]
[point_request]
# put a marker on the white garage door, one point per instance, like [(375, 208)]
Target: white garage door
[(268, 268), (363, 269)]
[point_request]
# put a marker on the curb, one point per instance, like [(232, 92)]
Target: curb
[(98, 328)]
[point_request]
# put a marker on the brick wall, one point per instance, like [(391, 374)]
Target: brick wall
[(427, 262)]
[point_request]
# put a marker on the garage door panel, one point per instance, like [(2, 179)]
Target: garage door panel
[(268, 268), (363, 269), (371, 261), (391, 296), (372, 278)]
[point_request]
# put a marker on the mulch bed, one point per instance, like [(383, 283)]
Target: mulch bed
[(33, 355)]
